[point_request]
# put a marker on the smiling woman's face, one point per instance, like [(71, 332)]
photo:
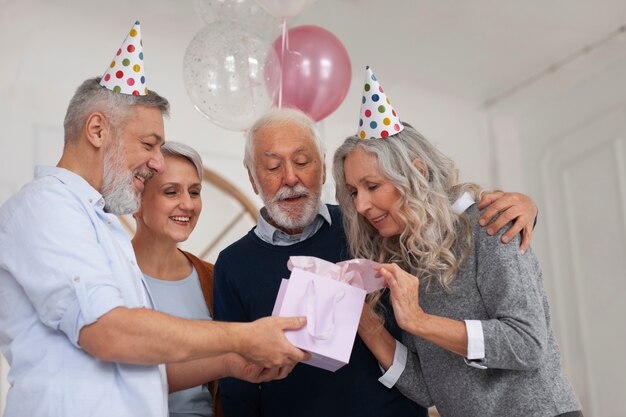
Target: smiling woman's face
[(171, 202), (375, 197)]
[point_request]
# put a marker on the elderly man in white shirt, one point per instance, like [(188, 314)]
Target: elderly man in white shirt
[(76, 323)]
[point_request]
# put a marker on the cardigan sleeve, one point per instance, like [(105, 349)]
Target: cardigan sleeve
[(205, 275), (510, 285), (411, 382)]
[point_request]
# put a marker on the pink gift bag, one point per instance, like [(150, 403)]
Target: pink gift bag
[(331, 296)]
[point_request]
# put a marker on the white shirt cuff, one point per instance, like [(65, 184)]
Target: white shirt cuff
[(475, 343), (392, 375)]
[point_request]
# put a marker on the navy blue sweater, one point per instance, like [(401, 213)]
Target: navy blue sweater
[(247, 277)]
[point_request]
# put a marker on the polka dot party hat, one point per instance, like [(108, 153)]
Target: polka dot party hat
[(125, 73), (378, 118)]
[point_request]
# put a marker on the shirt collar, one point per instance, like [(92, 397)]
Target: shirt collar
[(462, 203), (77, 184)]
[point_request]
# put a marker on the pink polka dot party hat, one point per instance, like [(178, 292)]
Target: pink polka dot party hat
[(378, 118), (125, 73)]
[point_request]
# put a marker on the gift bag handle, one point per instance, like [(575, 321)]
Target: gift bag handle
[(311, 317)]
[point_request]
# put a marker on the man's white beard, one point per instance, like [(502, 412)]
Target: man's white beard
[(118, 189), (299, 218)]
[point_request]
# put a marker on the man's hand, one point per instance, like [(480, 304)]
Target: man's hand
[(512, 207), (240, 368), (264, 342)]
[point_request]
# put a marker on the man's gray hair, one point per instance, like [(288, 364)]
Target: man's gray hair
[(91, 97), (185, 151), (280, 117)]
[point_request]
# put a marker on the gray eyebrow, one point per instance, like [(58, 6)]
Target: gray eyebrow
[(275, 155)]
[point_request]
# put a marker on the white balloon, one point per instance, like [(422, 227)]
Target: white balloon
[(247, 12), (227, 71), (285, 8)]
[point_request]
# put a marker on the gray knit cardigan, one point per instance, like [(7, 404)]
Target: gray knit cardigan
[(504, 290)]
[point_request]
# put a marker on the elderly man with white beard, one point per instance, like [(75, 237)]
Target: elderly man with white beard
[(77, 323), (284, 156)]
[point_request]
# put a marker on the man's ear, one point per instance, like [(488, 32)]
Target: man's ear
[(253, 182), (97, 129), (421, 167)]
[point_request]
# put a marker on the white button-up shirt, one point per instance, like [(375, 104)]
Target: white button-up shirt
[(64, 263)]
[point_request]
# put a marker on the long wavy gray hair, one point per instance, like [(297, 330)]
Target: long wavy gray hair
[(435, 240)]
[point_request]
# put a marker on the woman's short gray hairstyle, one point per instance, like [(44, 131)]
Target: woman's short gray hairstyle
[(91, 97), (185, 151), (281, 117)]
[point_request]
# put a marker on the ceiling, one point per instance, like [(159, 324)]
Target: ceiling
[(470, 49)]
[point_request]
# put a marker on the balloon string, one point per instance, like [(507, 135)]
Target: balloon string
[(284, 44), (251, 80)]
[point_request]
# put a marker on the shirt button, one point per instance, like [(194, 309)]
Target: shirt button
[(132, 262), (76, 279), (91, 200)]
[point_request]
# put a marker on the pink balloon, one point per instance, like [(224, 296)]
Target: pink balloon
[(316, 71)]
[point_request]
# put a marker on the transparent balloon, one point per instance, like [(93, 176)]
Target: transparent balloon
[(285, 8), (229, 74), (248, 13)]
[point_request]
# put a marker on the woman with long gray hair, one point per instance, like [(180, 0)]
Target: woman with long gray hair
[(475, 318)]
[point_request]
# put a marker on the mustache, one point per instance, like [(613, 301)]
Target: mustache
[(145, 173), (296, 191)]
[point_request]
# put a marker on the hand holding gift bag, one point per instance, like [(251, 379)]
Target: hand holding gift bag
[(331, 296)]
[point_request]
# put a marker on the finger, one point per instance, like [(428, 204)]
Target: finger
[(490, 212), (306, 356), (504, 202), (397, 269), (285, 370), (292, 323), (393, 269), (268, 374), (515, 228), (489, 198), (502, 220), (526, 237), (296, 355), (288, 361), (280, 374), (390, 278)]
